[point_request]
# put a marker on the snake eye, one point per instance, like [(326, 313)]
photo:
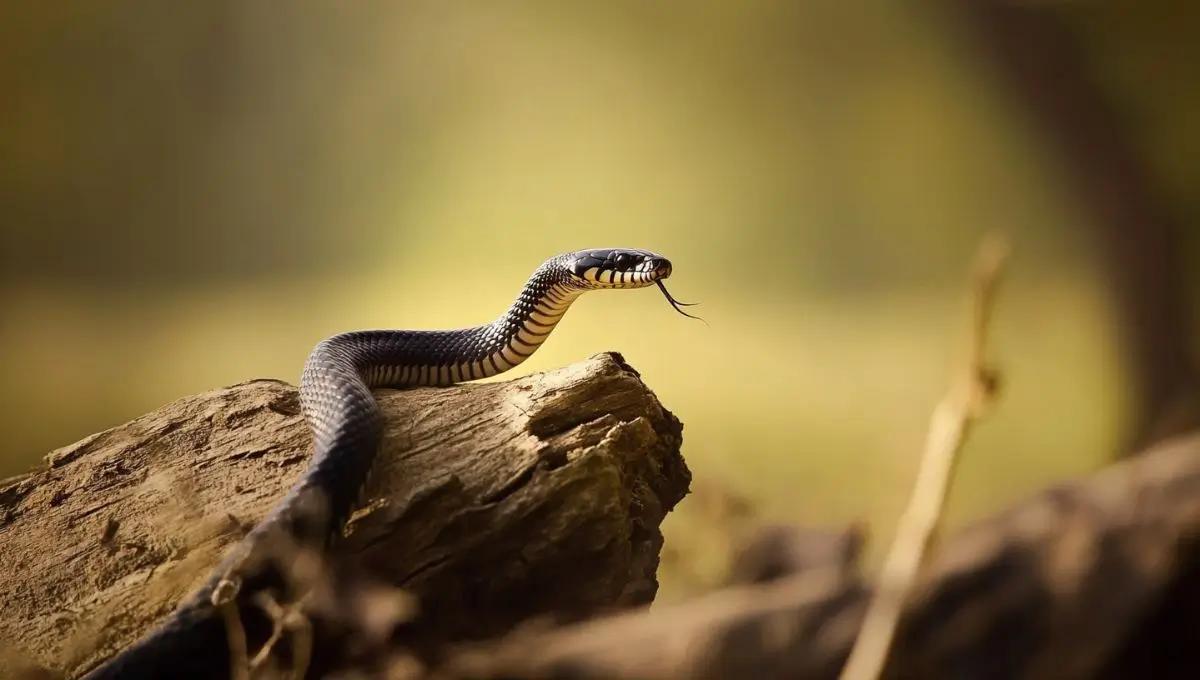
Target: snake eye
[(622, 261)]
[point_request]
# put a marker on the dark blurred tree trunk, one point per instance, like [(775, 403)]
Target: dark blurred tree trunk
[(1035, 55)]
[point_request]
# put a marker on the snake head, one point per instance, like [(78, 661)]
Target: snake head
[(608, 268), (616, 268)]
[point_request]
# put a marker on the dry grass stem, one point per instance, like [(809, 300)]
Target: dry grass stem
[(951, 419)]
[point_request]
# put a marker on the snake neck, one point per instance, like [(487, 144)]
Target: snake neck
[(513, 337), (522, 329), (439, 358)]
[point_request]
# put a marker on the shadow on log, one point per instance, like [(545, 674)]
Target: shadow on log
[(493, 503)]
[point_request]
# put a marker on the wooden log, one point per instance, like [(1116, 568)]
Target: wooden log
[(1094, 578), (491, 502)]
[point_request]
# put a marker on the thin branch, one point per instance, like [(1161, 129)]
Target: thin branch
[(949, 424)]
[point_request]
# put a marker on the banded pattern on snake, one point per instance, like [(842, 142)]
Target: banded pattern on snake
[(346, 422)]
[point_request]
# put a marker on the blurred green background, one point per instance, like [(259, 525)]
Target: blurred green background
[(194, 194)]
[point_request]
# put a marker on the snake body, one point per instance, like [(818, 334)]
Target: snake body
[(346, 423)]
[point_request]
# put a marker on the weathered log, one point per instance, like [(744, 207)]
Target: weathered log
[(1095, 578), (492, 503)]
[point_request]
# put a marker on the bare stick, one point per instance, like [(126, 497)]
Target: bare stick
[(951, 419)]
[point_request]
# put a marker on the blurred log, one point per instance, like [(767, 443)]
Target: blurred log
[(1136, 230), (491, 502), (775, 551), (1099, 577)]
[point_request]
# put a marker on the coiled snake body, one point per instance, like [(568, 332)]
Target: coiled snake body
[(346, 423)]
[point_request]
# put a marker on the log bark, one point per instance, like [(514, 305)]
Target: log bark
[(492, 503), (1094, 578)]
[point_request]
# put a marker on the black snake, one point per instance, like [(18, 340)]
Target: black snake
[(346, 422)]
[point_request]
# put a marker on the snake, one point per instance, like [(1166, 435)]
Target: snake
[(346, 423)]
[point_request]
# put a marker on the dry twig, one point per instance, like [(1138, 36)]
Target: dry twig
[(948, 428)]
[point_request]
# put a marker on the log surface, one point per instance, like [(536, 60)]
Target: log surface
[(492, 502)]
